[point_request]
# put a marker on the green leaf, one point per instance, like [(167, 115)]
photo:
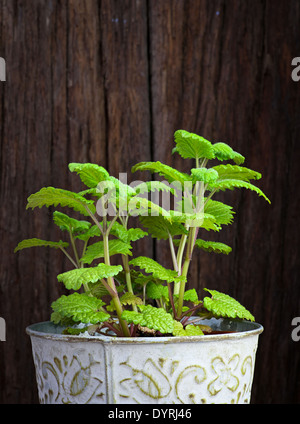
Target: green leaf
[(127, 236), (139, 206), (156, 291), (153, 318), (93, 231), (90, 174), (130, 299), (223, 213), (35, 242), (158, 271), (65, 223), (160, 227), (209, 175), (50, 196), (222, 305), (191, 296), (232, 184), (190, 145), (189, 330), (81, 308), (150, 186), (96, 250), (236, 172), (224, 152), (213, 246), (169, 173), (75, 278)]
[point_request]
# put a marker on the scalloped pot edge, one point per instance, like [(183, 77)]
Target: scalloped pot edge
[(110, 370)]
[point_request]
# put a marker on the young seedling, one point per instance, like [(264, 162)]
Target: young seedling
[(150, 299)]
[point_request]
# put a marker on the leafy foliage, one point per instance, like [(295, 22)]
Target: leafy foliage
[(65, 223), (224, 152), (161, 227), (80, 308), (50, 196), (222, 305), (152, 318), (96, 250), (117, 295), (213, 246), (75, 278), (192, 146), (232, 184), (35, 242), (158, 271), (169, 173), (90, 174)]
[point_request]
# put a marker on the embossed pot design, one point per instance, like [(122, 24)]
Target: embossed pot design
[(215, 368)]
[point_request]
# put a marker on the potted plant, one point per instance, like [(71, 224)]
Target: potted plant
[(133, 331)]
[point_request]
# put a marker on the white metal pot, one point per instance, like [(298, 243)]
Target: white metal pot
[(215, 368)]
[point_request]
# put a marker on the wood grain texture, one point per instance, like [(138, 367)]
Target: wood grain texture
[(109, 81)]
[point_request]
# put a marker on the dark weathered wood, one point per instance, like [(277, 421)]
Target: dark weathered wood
[(109, 81)]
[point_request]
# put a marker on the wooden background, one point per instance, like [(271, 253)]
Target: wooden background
[(109, 81)]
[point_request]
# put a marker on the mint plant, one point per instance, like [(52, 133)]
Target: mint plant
[(140, 296)]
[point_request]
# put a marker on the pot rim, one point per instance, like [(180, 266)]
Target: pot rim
[(33, 331)]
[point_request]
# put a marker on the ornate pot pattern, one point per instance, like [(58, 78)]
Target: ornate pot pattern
[(183, 370)]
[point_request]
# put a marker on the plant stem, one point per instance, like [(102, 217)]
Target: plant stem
[(179, 259), (68, 256), (128, 278), (173, 254), (188, 256), (172, 300), (74, 249), (111, 283)]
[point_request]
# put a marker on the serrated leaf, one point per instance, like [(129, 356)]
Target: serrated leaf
[(236, 172), (160, 227), (231, 184), (130, 299), (91, 232), (189, 330), (224, 152), (133, 234), (35, 242), (213, 246), (81, 308), (223, 213), (222, 305), (153, 318), (96, 250), (50, 196), (156, 291), (139, 206), (169, 173), (158, 271), (75, 278), (193, 146), (65, 223), (151, 186), (207, 175), (90, 174), (191, 296)]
